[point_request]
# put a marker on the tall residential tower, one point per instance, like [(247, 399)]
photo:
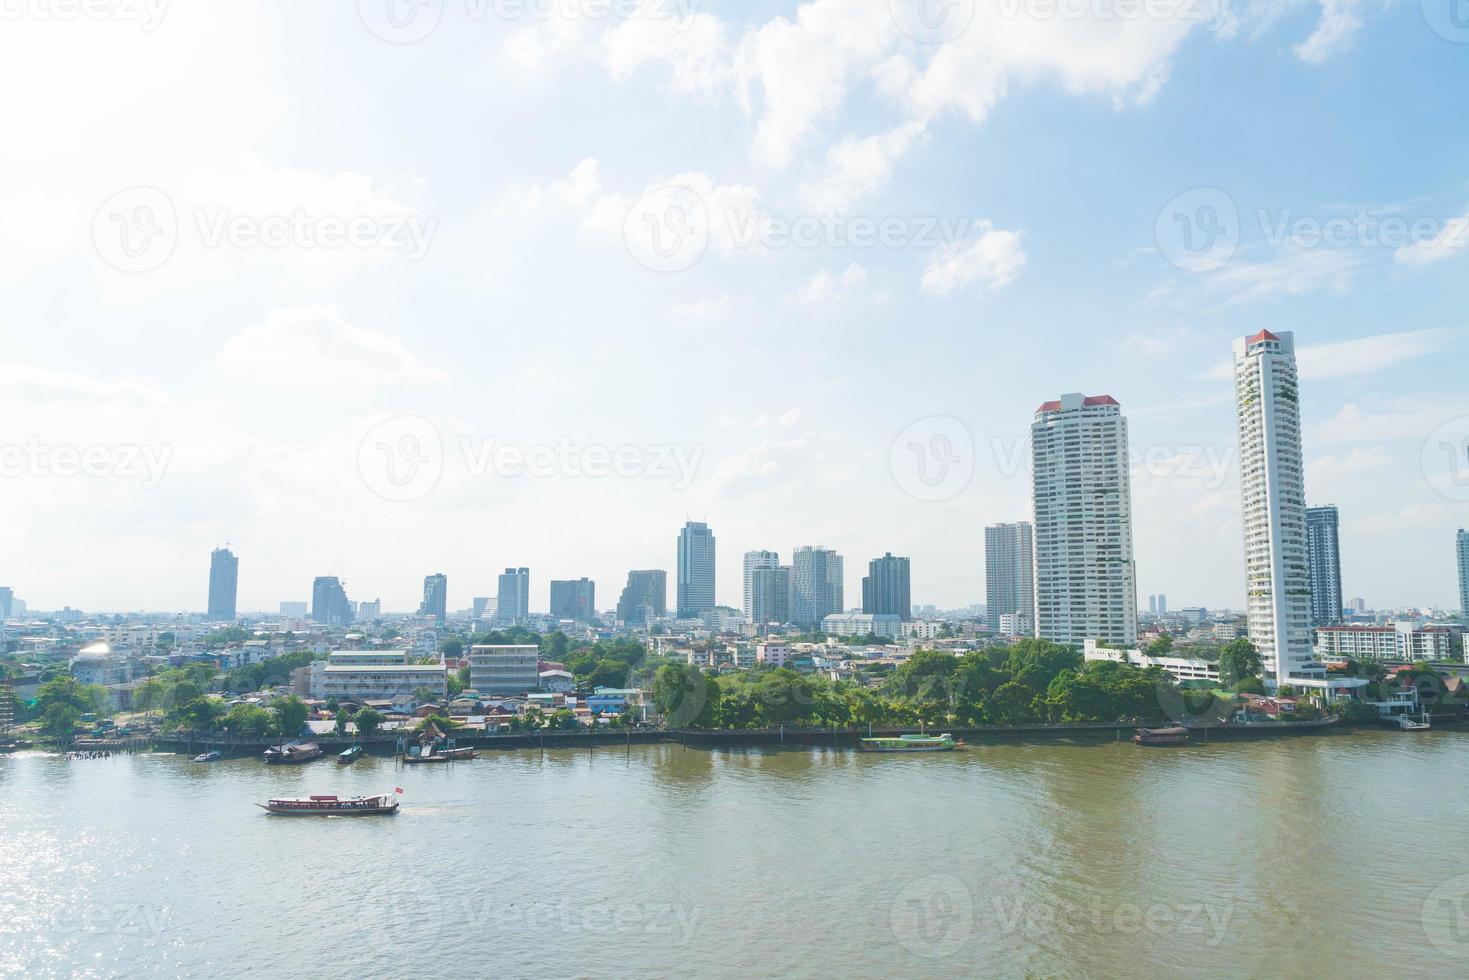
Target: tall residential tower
[(1085, 581), (695, 570), (1272, 488), (1323, 560), (224, 583), (1009, 572)]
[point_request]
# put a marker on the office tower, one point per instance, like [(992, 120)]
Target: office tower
[(329, 603), (886, 588), (1272, 487), (1162, 604), (435, 597), (1009, 572), (754, 561), (224, 581), (1463, 543), (295, 610), (514, 601), (7, 602), (644, 598), (695, 570), (816, 586), (574, 599), (478, 607), (770, 595), (1153, 604), (1084, 574), (1323, 563)]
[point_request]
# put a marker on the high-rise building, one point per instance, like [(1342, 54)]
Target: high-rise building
[(478, 606), (224, 583), (816, 586), (886, 588), (1272, 487), (1162, 604), (1323, 561), (329, 603), (7, 602), (644, 598), (1009, 572), (1153, 604), (695, 570), (770, 595), (295, 610), (1463, 545), (435, 597), (514, 601), (574, 599), (1085, 580), (754, 561)]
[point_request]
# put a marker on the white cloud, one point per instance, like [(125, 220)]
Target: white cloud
[(829, 291), (1355, 358), (856, 168), (695, 47), (1331, 470), (994, 258), (35, 385), (1335, 31), (35, 230), (1393, 421), (1453, 240), (705, 309), (313, 347)]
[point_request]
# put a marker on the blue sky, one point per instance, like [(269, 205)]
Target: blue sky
[(1032, 168)]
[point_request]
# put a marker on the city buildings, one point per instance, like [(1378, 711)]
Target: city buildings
[(435, 597), (644, 598), (574, 599), (504, 670), (478, 606), (1009, 572), (1463, 544), (861, 624), (329, 603), (767, 588), (886, 588), (295, 610), (369, 611), (695, 586), (1084, 573), (224, 581), (772, 654), (1182, 668), (1397, 642), (816, 586), (1272, 486), (514, 602), (1323, 560), (359, 675), (7, 602)]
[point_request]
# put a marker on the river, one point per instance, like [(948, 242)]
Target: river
[(1336, 855)]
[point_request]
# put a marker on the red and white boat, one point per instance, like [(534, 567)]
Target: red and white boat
[(335, 806)]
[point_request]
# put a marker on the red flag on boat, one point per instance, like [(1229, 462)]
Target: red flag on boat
[(398, 790)]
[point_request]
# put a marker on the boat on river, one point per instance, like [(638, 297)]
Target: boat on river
[(349, 756), (209, 756), (910, 743), (431, 753), (335, 806), (1177, 735), (292, 753)]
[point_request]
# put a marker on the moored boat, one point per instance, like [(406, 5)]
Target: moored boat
[(349, 756), (331, 805), (432, 754), (209, 757), (1176, 735), (292, 753), (910, 743)]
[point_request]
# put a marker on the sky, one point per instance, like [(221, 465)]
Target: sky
[(388, 288)]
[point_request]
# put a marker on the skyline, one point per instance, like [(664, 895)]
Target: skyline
[(230, 379)]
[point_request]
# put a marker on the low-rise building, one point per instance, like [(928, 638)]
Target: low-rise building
[(861, 624), (1399, 642), (1182, 668), (504, 669), (772, 654), (360, 682)]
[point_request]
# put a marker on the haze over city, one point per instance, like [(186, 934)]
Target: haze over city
[(185, 302)]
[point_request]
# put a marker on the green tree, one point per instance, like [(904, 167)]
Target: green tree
[(1238, 660), (1013, 704), (1162, 646), (368, 721), (290, 715), (452, 648), (609, 673), (59, 719), (343, 719), (248, 719)]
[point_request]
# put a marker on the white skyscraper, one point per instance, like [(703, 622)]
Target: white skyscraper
[(1085, 581), (1463, 552), (1273, 492)]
